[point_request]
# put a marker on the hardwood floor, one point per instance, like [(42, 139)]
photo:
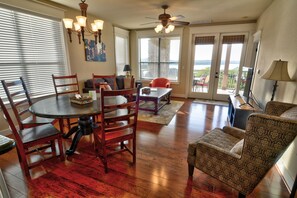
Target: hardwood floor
[(160, 170)]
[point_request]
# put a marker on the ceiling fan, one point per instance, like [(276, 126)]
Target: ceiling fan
[(168, 23)]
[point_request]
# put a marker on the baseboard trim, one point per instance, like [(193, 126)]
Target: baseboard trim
[(179, 95), (284, 173)]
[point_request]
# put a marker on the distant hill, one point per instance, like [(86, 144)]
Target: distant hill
[(208, 62)]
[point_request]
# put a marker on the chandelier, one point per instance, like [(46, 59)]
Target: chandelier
[(161, 28), (81, 26)]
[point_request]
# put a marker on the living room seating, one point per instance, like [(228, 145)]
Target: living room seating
[(104, 79), (241, 158), (160, 82), (121, 83), (118, 125), (34, 139), (20, 101)]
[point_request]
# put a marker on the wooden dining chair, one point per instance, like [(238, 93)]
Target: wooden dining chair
[(118, 124), (99, 80), (20, 101), (66, 85), (34, 139)]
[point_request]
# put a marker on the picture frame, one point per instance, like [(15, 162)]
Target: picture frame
[(95, 51)]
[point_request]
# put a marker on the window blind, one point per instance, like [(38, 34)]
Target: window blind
[(32, 47), (204, 40), (233, 39)]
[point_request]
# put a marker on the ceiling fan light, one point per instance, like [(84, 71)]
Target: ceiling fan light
[(167, 30), (157, 30), (68, 23), (99, 24), (82, 20), (171, 27)]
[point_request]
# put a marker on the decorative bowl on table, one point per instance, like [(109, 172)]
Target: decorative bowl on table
[(146, 90), (81, 99)]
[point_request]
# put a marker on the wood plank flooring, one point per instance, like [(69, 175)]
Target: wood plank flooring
[(160, 170)]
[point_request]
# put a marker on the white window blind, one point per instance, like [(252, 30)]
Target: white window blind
[(31, 47), (121, 49)]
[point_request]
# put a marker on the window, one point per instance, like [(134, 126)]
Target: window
[(31, 47), (121, 49), (159, 57)]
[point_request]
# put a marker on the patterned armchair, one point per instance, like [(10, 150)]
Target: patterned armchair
[(241, 158), (160, 82)]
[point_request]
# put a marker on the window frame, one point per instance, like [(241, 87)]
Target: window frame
[(151, 34)]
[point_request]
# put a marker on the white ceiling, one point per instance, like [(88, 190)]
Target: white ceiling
[(132, 14)]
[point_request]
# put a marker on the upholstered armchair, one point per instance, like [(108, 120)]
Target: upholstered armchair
[(160, 82), (241, 158)]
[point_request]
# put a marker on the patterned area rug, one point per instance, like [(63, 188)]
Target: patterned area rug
[(165, 114), (212, 102)]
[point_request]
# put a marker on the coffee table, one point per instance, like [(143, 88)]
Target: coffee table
[(156, 95)]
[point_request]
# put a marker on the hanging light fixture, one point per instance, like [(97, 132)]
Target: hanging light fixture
[(81, 26)]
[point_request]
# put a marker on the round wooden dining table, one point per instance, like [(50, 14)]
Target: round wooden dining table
[(60, 107)]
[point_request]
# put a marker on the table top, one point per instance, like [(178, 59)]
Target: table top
[(61, 107), (156, 92)]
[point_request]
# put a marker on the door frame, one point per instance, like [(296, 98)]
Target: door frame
[(215, 66), (224, 97), (202, 95)]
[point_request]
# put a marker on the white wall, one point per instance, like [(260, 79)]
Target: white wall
[(279, 41)]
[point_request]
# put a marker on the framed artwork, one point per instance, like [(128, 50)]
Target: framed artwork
[(95, 51)]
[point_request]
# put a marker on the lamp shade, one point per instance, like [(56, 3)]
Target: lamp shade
[(278, 71), (127, 68)]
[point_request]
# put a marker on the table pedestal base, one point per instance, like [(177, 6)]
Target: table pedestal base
[(84, 128)]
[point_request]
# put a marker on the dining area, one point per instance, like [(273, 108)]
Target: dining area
[(108, 116)]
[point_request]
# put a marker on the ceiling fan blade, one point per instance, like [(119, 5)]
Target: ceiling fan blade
[(179, 22), (155, 22), (151, 18), (177, 17)]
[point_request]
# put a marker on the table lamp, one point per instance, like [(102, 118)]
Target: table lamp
[(127, 69), (278, 71)]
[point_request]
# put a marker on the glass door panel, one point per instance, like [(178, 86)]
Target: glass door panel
[(229, 68), (202, 68)]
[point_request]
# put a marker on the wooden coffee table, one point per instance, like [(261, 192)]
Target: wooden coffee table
[(156, 95)]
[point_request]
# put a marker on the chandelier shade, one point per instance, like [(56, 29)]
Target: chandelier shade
[(81, 26)]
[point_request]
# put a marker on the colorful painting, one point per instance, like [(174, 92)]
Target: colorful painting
[(95, 51)]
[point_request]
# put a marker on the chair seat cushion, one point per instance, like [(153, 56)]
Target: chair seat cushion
[(219, 138), (38, 133), (37, 120)]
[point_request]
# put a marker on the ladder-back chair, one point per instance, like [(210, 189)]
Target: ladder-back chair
[(66, 85), (20, 101), (34, 139), (118, 124)]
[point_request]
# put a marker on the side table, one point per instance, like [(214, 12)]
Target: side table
[(6, 144)]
